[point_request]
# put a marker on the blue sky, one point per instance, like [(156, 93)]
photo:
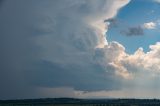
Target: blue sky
[(137, 12)]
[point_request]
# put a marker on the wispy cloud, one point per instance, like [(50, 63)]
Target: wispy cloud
[(158, 1), (133, 31)]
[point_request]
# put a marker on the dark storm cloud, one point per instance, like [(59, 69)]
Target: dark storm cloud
[(89, 78), (1, 1), (47, 44), (133, 31), (17, 50)]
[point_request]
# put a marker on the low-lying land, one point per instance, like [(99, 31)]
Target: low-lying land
[(80, 102)]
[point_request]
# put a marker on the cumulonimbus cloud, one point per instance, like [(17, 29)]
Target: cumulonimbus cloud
[(50, 44)]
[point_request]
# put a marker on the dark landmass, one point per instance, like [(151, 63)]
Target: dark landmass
[(80, 102)]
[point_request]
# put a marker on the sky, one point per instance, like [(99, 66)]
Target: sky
[(79, 48), (134, 15)]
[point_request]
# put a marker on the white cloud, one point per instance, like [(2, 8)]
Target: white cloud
[(113, 54), (127, 65), (145, 61), (149, 25), (142, 71)]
